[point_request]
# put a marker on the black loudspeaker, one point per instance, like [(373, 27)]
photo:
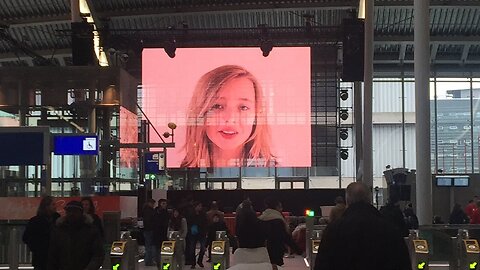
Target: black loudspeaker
[(399, 193), (82, 44), (353, 49)]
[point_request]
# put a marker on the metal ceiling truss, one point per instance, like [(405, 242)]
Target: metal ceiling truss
[(280, 36), (455, 27)]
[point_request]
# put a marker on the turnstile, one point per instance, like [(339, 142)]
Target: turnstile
[(172, 252), (313, 237), (418, 250), (313, 245), (220, 251), (470, 254), (466, 252), (123, 254)]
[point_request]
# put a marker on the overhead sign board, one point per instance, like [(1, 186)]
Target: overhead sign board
[(154, 162), (75, 144)]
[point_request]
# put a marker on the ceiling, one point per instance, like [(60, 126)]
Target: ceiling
[(32, 31)]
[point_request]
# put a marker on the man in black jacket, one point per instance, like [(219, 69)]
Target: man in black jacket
[(278, 232), (151, 251), (75, 244), (362, 238), (161, 219)]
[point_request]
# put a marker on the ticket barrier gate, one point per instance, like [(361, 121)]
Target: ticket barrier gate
[(123, 254), (418, 250), (220, 251), (313, 245), (466, 252), (172, 252)]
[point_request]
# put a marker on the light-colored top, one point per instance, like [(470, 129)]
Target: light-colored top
[(252, 259), (183, 230)]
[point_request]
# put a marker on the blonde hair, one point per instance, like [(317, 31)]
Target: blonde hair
[(198, 147)]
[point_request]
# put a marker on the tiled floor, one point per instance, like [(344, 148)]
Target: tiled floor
[(290, 264), (296, 263)]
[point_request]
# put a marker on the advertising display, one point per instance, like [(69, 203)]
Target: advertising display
[(233, 107), (128, 134)]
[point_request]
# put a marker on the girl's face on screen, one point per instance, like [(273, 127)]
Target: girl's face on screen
[(230, 119)]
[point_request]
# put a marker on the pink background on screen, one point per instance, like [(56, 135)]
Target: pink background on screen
[(128, 134), (285, 77)]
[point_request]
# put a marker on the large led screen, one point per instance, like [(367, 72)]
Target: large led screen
[(233, 107), (128, 134)]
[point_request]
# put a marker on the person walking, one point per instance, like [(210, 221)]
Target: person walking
[(278, 234), (216, 225), (197, 232), (252, 236), (362, 238), (214, 211)]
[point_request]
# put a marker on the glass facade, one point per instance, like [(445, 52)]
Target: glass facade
[(455, 139)]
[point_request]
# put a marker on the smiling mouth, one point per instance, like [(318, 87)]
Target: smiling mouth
[(228, 132)]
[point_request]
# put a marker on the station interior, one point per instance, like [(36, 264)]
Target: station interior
[(124, 101)]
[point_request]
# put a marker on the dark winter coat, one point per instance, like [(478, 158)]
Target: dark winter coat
[(277, 236), (411, 220), (197, 224), (362, 239), (148, 218), (394, 215), (37, 237), (213, 228), (75, 246), (161, 220), (97, 222), (458, 217)]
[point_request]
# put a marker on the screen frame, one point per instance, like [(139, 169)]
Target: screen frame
[(38, 129), (437, 182), (452, 179), (461, 177), (280, 118)]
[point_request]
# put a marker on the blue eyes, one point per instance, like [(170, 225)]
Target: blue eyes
[(216, 107)]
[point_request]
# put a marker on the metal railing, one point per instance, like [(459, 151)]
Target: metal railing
[(13, 252)]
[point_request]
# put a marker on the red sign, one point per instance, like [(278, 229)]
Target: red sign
[(21, 208)]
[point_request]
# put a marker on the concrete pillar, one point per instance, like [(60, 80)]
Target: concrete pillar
[(422, 110), (368, 96)]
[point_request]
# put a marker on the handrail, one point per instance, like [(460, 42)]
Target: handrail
[(13, 250)]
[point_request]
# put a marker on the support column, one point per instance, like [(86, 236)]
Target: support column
[(75, 11), (472, 112), (358, 123), (422, 111), (107, 140), (88, 164), (404, 146), (368, 96), (22, 115)]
